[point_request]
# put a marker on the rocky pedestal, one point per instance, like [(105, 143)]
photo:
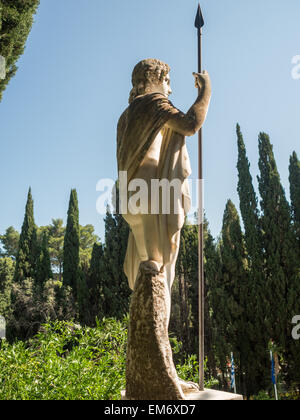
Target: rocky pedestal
[(150, 371)]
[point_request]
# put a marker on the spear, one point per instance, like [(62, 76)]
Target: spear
[(199, 23)]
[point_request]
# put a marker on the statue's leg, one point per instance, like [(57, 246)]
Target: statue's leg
[(151, 239)]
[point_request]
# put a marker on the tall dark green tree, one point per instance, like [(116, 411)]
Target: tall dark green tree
[(185, 294), (16, 19), (279, 247), (94, 283), (253, 239), (26, 261), (294, 178), (185, 304), (212, 265), (294, 290), (115, 292), (235, 286), (71, 269)]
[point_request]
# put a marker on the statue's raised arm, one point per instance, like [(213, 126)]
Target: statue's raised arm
[(190, 123)]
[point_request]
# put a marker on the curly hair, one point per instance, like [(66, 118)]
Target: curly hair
[(145, 73)]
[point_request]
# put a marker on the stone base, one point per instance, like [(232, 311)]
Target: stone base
[(206, 395), (150, 370)]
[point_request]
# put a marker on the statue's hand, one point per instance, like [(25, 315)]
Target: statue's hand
[(202, 80)]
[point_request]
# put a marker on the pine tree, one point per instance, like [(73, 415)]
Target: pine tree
[(26, 260), (16, 19), (71, 245), (10, 242), (56, 233), (253, 239), (279, 246)]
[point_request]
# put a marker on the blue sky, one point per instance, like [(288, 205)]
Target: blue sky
[(59, 114)]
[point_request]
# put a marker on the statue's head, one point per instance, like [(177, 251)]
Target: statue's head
[(150, 76)]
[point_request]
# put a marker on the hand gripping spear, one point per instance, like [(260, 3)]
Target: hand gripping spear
[(199, 23)]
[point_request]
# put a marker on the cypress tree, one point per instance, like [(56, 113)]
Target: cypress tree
[(279, 246), (294, 289), (115, 291), (294, 178), (253, 239), (16, 19), (211, 272), (94, 282), (26, 260), (235, 288), (187, 296), (82, 294), (248, 206), (71, 245)]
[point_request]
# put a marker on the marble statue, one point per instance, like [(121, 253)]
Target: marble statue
[(151, 147)]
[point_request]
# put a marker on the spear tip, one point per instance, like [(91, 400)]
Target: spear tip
[(199, 21)]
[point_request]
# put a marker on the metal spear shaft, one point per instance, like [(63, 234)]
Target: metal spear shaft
[(199, 23)]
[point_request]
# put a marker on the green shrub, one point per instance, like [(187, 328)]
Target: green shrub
[(66, 362), (189, 371)]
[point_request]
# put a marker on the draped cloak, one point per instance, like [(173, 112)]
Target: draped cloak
[(138, 127)]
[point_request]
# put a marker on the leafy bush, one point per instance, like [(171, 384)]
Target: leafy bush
[(189, 371), (66, 362)]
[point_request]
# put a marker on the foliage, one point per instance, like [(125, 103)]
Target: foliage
[(10, 243), (16, 19), (43, 269), (28, 248), (282, 282), (114, 289), (189, 371), (71, 245), (7, 268), (55, 232), (262, 396), (66, 362), (256, 354)]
